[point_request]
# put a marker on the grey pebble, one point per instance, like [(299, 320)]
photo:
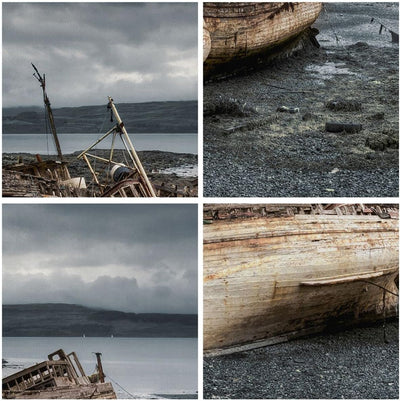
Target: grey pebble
[(359, 365)]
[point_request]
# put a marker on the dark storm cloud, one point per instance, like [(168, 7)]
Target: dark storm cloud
[(127, 257), (134, 52)]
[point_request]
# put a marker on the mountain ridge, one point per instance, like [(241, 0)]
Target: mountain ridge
[(71, 320), (148, 117)]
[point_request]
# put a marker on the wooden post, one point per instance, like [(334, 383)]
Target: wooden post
[(149, 188), (42, 81), (91, 169), (98, 141), (100, 367)]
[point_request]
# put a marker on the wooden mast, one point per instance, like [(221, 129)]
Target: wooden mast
[(42, 81), (100, 367), (132, 152)]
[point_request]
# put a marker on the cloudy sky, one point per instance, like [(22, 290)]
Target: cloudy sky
[(133, 258), (133, 52)]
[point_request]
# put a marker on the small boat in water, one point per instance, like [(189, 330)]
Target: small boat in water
[(276, 272), (244, 34), (60, 377)]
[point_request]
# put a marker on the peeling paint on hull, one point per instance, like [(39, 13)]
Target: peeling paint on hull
[(279, 276)]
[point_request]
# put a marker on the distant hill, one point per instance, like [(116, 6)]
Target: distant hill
[(152, 117), (66, 320)]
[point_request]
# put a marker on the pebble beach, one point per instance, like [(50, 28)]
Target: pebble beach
[(352, 364), (253, 149)]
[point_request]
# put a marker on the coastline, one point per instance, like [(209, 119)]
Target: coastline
[(154, 162)]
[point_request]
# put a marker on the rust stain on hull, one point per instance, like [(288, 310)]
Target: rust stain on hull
[(236, 31)]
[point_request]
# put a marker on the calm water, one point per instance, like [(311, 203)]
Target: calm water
[(43, 144), (142, 366)]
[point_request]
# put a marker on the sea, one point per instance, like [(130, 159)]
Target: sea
[(70, 143), (147, 368)]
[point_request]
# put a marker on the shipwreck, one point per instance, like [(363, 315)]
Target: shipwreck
[(276, 272), (237, 36), (42, 178), (60, 377), (110, 175)]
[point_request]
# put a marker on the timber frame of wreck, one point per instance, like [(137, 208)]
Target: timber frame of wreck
[(132, 181), (276, 272), (61, 376)]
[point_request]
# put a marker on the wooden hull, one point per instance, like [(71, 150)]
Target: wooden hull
[(60, 377), (238, 31), (275, 277), (89, 391)]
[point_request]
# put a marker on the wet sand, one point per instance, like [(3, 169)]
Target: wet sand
[(353, 364), (251, 149)]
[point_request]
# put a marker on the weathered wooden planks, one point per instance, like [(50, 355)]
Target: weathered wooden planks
[(61, 376), (258, 274), (92, 391), (234, 31)]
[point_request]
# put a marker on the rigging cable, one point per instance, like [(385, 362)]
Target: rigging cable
[(380, 286), (126, 391), (46, 130), (338, 41), (92, 184)]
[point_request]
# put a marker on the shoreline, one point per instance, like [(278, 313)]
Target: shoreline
[(154, 162), (254, 149), (177, 396)]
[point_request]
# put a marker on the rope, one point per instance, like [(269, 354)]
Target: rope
[(288, 89), (383, 288), (338, 41), (46, 131), (384, 317), (126, 391), (95, 149)]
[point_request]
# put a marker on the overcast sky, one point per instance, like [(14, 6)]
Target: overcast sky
[(133, 52), (133, 258)]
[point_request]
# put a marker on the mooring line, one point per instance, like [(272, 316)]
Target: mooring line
[(383, 288), (126, 391)]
